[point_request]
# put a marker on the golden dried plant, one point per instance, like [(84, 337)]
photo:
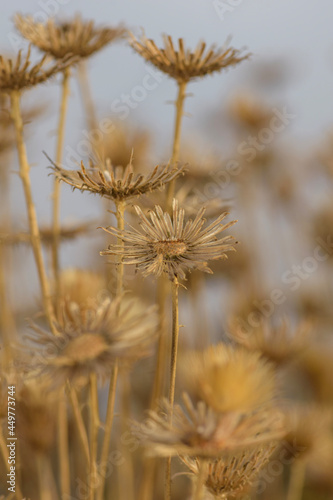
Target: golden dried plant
[(171, 246), (279, 345), (91, 341), (184, 64), (19, 74), (199, 431), (73, 37), (117, 183), (230, 379), (232, 476)]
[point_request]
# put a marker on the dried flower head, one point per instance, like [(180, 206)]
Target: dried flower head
[(117, 183), (121, 142), (230, 379), (250, 112), (231, 476), (19, 74), (82, 287), (309, 432), (169, 246), (91, 342), (279, 345), (59, 39), (183, 64), (199, 431)]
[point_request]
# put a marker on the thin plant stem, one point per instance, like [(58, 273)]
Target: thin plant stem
[(161, 348), (176, 138), (107, 431), (296, 481), (44, 486), (63, 448), (87, 100), (79, 422), (33, 225), (174, 342), (199, 486), (94, 427), (56, 184), (120, 210), (173, 366), (125, 472)]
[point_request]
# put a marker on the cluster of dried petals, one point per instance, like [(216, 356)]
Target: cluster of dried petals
[(172, 246), (183, 64), (117, 183), (19, 74), (250, 112), (199, 431), (59, 39), (230, 379), (122, 142), (232, 475), (91, 342), (82, 287), (279, 345)]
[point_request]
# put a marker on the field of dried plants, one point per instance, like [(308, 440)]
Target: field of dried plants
[(192, 358)]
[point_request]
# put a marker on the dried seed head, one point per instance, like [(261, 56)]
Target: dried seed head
[(82, 287), (278, 345), (75, 37), (250, 112), (183, 64), (120, 143), (231, 476), (199, 431), (90, 340), (170, 246), (117, 183), (309, 434), (230, 379), (19, 74)]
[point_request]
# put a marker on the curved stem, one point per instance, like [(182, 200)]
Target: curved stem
[(56, 185), (107, 431), (176, 138), (33, 225)]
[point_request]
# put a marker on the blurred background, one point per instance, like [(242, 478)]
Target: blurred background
[(258, 139)]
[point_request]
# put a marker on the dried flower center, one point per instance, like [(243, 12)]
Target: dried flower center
[(170, 248), (84, 348)]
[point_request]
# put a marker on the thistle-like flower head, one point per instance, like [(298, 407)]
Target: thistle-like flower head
[(170, 245), (59, 39), (199, 431), (19, 74), (90, 341), (117, 183), (184, 64)]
